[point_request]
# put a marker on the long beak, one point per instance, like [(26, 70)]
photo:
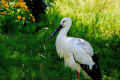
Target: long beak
[(56, 30)]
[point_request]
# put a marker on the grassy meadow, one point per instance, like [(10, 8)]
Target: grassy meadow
[(24, 54)]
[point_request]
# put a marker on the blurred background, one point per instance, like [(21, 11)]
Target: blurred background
[(25, 25)]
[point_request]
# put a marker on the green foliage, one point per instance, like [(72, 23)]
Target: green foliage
[(16, 19), (26, 56)]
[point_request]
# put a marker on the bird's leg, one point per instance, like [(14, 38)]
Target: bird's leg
[(78, 75)]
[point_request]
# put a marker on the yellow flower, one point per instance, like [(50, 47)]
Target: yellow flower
[(23, 18), (19, 17)]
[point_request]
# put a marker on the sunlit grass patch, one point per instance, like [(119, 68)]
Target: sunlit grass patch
[(98, 15)]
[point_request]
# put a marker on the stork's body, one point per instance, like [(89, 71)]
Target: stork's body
[(77, 53), (73, 48)]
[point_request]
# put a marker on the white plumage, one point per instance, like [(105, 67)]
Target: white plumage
[(75, 51), (69, 46)]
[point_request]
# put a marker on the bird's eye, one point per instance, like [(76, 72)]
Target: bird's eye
[(63, 22)]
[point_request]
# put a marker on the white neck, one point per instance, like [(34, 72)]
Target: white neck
[(63, 32)]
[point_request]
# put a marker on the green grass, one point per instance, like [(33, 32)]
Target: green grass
[(24, 56)]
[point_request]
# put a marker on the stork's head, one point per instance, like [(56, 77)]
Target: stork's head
[(65, 23)]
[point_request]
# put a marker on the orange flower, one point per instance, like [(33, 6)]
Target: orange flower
[(21, 4), (4, 3), (23, 18), (19, 17), (30, 15)]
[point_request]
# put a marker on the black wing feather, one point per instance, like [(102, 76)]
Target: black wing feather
[(95, 73)]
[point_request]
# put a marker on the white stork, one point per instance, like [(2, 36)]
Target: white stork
[(77, 53)]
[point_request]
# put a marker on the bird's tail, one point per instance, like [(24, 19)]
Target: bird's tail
[(95, 72)]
